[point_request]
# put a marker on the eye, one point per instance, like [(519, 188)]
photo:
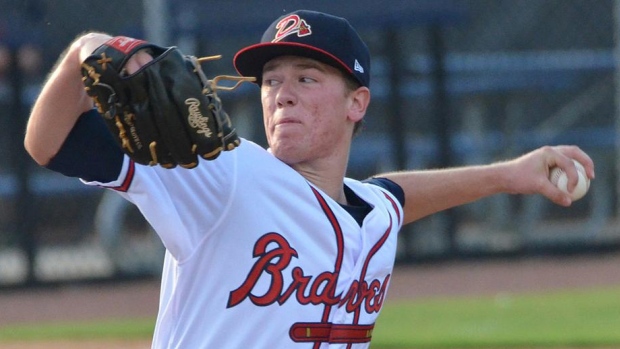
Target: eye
[(270, 82), (306, 79)]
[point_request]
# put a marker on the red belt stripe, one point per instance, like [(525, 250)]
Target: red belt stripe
[(331, 333)]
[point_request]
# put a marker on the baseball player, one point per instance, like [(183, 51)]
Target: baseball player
[(265, 248)]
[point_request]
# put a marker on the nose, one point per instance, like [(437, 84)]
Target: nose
[(286, 95)]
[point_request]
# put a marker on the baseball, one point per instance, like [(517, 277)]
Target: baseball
[(559, 179)]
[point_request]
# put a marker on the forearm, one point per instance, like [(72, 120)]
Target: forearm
[(428, 192), (61, 102), (431, 191)]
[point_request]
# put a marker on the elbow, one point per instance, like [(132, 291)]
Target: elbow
[(41, 155)]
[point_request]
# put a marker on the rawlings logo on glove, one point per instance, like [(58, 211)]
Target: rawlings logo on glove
[(196, 119), (167, 113)]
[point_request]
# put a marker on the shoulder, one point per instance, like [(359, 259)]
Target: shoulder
[(389, 186), (379, 192)]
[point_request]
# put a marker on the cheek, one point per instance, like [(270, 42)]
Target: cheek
[(332, 113), (329, 124), (267, 113), (265, 103)]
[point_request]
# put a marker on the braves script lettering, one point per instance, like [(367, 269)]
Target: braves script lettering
[(307, 289)]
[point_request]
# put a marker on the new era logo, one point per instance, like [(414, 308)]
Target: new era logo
[(358, 67)]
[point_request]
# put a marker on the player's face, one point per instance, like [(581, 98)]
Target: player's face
[(308, 111)]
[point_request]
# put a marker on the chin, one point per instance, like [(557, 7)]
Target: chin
[(288, 156)]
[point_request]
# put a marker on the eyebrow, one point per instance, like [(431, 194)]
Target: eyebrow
[(270, 66)]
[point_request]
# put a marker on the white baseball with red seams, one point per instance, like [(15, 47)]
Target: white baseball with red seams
[(558, 178), (255, 276)]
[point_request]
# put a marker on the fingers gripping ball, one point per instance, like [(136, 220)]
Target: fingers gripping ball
[(167, 113), (558, 178)]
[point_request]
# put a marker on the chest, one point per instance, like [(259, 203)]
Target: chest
[(311, 251)]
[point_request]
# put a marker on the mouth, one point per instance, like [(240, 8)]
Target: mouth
[(287, 121)]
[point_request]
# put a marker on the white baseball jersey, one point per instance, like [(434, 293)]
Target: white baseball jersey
[(258, 257)]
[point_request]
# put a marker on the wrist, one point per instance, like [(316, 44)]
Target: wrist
[(86, 44), (503, 177)]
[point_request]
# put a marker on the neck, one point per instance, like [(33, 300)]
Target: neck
[(334, 188), (327, 172), (328, 177)]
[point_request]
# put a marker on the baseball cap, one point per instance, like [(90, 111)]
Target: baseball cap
[(326, 38)]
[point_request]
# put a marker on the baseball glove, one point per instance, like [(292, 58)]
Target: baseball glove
[(167, 113)]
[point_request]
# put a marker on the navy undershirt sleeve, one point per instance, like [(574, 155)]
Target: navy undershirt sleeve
[(390, 186), (89, 152)]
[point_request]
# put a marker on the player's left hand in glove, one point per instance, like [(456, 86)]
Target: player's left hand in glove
[(167, 112)]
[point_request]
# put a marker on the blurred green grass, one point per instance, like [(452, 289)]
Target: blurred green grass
[(561, 319), (107, 329), (585, 318)]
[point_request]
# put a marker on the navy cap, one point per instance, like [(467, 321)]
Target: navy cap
[(326, 38)]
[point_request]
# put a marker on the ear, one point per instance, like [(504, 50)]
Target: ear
[(360, 99)]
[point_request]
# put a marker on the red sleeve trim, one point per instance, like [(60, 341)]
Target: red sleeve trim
[(128, 178)]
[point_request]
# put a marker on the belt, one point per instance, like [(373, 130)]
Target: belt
[(331, 333)]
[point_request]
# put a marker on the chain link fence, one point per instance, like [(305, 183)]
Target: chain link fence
[(454, 83), (519, 75)]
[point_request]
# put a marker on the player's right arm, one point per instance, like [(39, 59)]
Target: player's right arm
[(431, 191), (61, 102)]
